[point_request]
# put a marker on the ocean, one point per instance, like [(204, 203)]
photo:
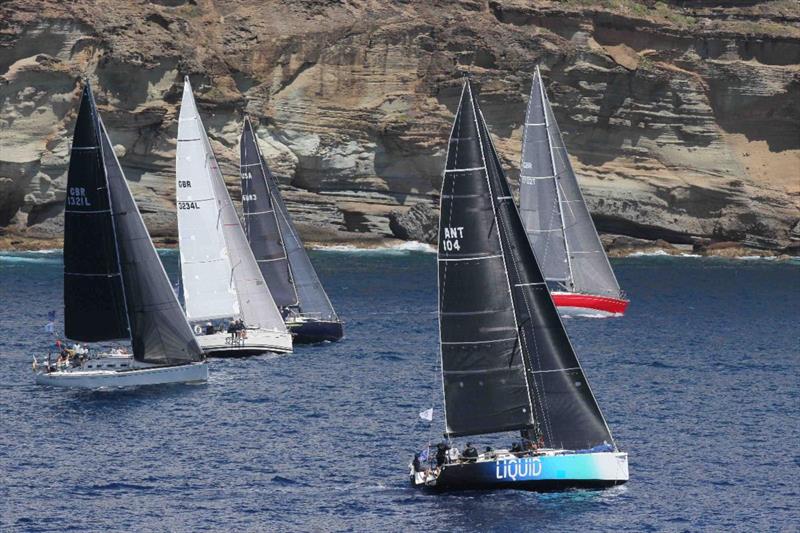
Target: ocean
[(700, 384)]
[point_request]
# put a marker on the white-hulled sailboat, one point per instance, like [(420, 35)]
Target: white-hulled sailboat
[(220, 277), (558, 223), (115, 287), (507, 363), (279, 251)]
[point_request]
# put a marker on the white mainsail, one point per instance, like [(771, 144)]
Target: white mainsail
[(208, 287), (253, 301)]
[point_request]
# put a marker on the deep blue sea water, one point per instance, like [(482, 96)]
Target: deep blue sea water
[(700, 383)]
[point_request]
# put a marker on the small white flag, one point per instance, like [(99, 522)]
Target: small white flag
[(49, 327), (427, 414)]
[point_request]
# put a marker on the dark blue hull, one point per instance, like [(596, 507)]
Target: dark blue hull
[(315, 331)]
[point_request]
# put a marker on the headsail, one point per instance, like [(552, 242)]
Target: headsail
[(553, 210), (312, 297), (257, 306), (506, 358), (158, 329), (261, 221)]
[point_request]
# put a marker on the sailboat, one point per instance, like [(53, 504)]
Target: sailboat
[(557, 221), (115, 287), (507, 363), (221, 280), (279, 251)]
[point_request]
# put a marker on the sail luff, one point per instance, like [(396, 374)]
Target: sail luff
[(160, 333), (94, 294), (261, 220)]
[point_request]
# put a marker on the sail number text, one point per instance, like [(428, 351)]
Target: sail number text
[(188, 205), (77, 196), (451, 238), (249, 197), (184, 184)]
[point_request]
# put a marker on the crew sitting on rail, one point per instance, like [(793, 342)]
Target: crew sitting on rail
[(470, 454)]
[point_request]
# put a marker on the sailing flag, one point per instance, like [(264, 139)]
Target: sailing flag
[(50, 327), (427, 414)]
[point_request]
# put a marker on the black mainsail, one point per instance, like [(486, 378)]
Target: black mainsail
[(309, 295), (106, 242), (507, 362), (261, 221)]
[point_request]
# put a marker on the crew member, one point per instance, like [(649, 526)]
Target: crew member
[(470, 453)]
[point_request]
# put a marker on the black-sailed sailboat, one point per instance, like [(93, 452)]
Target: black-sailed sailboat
[(115, 287), (280, 253), (507, 363)]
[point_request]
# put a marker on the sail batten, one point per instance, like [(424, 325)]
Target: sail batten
[(512, 368), (554, 212)]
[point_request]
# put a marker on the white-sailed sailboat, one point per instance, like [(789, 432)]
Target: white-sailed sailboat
[(507, 363), (115, 287), (220, 277), (558, 223), (279, 251)]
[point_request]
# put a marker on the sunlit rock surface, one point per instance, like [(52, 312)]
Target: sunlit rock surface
[(682, 118)]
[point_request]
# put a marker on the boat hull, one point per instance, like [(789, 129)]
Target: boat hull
[(539, 473), (578, 304), (315, 331), (257, 342), (135, 377)]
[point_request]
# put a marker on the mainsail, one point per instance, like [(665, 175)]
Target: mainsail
[(261, 221), (311, 296), (506, 360), (554, 213), (257, 308), (128, 280)]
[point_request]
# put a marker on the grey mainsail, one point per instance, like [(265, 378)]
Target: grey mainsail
[(506, 359), (558, 223), (261, 220), (158, 329)]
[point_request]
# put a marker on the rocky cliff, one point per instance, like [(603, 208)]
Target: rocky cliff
[(682, 118)]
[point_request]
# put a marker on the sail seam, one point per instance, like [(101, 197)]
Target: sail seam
[(462, 169), (448, 259), (479, 342)]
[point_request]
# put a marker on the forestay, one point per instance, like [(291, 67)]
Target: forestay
[(257, 307), (558, 223), (208, 287), (507, 361), (261, 221)]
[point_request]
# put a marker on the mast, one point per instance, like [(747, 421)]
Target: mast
[(536, 348), (261, 221), (258, 309)]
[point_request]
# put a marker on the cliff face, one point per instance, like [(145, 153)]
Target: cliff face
[(682, 118)]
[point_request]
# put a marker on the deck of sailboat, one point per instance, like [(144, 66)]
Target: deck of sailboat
[(315, 330), (257, 341), (115, 371)]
